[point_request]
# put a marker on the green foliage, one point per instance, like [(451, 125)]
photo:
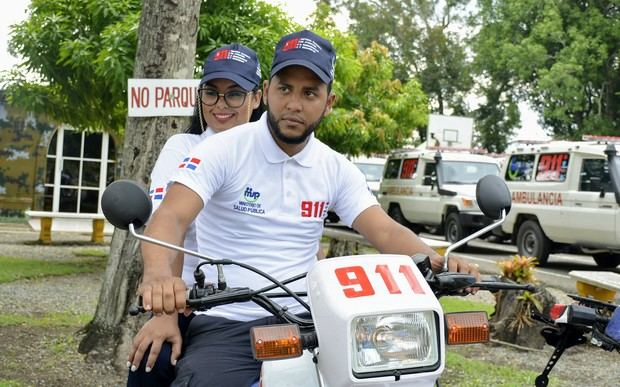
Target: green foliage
[(421, 43), (83, 52), (519, 269), (374, 112), (10, 383), (250, 22), (83, 71), (561, 56), (80, 53), (14, 269)]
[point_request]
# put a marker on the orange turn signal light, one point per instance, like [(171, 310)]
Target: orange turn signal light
[(467, 327), (271, 342)]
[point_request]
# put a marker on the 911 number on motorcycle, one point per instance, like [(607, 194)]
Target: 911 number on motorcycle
[(356, 283)]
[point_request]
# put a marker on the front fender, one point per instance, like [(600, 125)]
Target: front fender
[(298, 372)]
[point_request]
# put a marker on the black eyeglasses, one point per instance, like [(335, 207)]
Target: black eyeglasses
[(233, 98)]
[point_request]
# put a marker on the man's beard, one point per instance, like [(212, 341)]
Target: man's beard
[(277, 132)]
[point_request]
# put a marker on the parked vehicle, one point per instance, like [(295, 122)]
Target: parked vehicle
[(376, 319), (372, 168), (565, 195), (430, 189)]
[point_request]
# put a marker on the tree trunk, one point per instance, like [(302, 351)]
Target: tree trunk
[(511, 322), (166, 49)]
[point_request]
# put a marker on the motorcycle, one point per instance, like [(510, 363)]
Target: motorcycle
[(375, 319), (587, 320)]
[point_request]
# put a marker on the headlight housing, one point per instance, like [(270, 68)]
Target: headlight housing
[(408, 342)]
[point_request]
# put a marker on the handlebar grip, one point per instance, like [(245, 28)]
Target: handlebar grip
[(503, 286)]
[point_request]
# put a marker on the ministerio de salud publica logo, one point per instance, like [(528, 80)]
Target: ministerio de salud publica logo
[(250, 203)]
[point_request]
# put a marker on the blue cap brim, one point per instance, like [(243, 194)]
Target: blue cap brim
[(302, 62), (239, 80)]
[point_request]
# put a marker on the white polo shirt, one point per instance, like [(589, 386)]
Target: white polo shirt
[(266, 209), (171, 156)]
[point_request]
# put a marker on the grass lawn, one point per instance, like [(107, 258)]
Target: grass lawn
[(464, 372), (14, 269), (48, 320)]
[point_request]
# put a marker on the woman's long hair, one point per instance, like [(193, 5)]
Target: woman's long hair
[(197, 125)]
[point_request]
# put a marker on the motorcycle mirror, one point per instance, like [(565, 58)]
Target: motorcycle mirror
[(493, 196), (124, 202)]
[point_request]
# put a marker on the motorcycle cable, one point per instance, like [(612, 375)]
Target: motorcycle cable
[(262, 274)]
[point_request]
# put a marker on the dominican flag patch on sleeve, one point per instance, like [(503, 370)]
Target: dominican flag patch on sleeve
[(157, 193), (190, 163)]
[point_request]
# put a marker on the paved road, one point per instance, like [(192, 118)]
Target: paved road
[(554, 274)]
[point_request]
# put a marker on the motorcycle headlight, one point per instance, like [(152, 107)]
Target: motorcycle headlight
[(395, 341)]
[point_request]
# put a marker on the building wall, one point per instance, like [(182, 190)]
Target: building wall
[(23, 148)]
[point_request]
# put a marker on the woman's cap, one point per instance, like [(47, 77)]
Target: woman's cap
[(305, 48), (235, 62)]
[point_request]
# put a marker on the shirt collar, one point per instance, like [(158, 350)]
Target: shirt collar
[(274, 154), (207, 133)]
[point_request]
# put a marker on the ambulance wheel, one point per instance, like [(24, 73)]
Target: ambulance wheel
[(606, 260), (395, 213), (454, 231), (532, 242)]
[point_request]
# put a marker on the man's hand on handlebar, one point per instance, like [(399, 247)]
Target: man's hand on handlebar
[(163, 294), (455, 265)]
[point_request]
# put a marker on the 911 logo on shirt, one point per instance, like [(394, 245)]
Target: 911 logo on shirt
[(314, 209)]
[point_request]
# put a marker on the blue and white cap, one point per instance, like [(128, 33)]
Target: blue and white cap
[(235, 62), (305, 48)]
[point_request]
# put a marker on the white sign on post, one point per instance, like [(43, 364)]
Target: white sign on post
[(161, 97)]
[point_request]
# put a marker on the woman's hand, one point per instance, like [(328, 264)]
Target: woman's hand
[(154, 333)]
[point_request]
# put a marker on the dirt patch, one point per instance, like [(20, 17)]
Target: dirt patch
[(41, 356)]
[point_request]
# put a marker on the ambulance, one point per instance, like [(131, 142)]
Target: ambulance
[(565, 197), (434, 190)]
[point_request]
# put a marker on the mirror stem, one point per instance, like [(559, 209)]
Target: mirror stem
[(463, 241), (133, 232)]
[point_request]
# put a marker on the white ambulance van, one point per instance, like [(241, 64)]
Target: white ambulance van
[(565, 196), (427, 189)]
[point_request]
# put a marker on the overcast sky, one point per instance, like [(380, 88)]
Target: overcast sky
[(299, 11)]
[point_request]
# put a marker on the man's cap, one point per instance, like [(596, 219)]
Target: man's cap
[(305, 48), (235, 62)]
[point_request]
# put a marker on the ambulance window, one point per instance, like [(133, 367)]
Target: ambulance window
[(429, 173), (409, 168), (392, 168), (520, 168), (552, 167), (594, 176)]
